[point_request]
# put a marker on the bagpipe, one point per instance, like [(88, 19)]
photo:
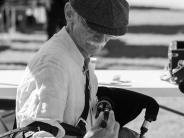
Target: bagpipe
[(126, 104)]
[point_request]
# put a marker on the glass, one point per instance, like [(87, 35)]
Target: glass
[(84, 23)]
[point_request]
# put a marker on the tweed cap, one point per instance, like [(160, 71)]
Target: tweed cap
[(104, 16)]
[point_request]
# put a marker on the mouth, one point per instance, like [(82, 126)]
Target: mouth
[(96, 45)]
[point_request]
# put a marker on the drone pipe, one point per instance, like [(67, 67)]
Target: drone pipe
[(172, 110), (8, 114)]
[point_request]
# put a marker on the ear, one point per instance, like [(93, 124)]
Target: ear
[(69, 12)]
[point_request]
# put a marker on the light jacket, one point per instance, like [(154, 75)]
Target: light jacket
[(52, 89)]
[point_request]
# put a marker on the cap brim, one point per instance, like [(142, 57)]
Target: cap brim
[(107, 30)]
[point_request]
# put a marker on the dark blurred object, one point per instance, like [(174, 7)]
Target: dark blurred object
[(2, 17), (2, 2), (55, 16), (181, 86), (176, 62), (104, 105), (7, 104), (127, 105)]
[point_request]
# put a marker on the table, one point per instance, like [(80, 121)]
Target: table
[(147, 82), (144, 81)]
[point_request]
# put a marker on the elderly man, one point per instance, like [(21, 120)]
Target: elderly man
[(59, 83)]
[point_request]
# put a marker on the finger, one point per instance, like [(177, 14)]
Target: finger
[(98, 121), (111, 121), (116, 129)]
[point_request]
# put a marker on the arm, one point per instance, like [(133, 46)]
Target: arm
[(43, 97)]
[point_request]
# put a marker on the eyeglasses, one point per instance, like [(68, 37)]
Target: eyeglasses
[(84, 23)]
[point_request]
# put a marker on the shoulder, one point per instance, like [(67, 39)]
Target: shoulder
[(52, 53)]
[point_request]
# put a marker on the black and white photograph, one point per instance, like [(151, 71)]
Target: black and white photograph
[(91, 68)]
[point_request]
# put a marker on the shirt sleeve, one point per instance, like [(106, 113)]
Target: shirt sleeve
[(47, 102), (52, 86), (42, 134), (53, 91)]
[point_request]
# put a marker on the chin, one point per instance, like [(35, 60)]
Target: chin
[(94, 48), (95, 52)]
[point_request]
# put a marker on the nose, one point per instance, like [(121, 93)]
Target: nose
[(99, 37)]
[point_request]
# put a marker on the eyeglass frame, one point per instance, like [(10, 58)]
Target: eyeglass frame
[(84, 23)]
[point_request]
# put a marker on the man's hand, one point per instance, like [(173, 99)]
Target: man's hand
[(128, 133), (111, 131)]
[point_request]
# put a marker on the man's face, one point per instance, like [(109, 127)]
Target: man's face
[(87, 39)]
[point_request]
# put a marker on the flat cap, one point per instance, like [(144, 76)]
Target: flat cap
[(104, 16)]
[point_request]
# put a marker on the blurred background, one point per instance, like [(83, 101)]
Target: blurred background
[(26, 24)]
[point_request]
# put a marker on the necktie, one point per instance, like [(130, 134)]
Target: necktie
[(82, 120)]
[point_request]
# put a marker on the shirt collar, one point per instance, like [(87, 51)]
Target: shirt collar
[(72, 48)]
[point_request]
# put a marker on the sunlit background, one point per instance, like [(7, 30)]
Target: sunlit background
[(153, 25)]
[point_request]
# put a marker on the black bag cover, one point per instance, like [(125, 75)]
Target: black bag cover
[(127, 105)]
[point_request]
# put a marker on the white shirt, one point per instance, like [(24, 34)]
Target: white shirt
[(53, 86)]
